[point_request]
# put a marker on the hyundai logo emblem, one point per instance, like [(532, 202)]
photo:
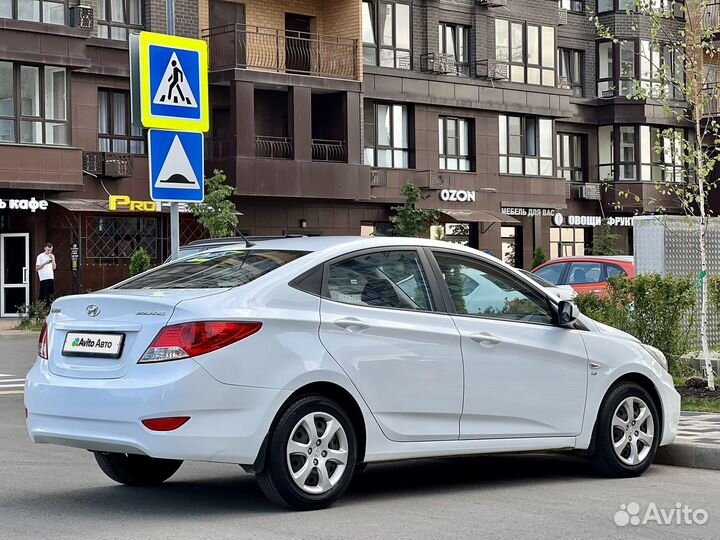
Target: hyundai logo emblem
[(92, 310)]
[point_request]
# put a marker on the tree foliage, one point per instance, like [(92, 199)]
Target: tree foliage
[(605, 241), (673, 76), (655, 309), (539, 257), (217, 212), (139, 262), (410, 220)]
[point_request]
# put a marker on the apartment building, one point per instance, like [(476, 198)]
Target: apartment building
[(511, 115)]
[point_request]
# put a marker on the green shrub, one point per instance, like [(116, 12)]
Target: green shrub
[(657, 310), (32, 316), (538, 257), (139, 262)]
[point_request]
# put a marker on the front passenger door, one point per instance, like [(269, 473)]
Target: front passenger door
[(524, 376)]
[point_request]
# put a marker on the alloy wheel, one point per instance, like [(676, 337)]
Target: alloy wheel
[(632, 431), (317, 453)]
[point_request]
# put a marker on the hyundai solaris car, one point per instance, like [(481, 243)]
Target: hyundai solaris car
[(303, 359)]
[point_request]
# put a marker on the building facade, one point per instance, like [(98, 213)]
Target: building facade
[(511, 115)]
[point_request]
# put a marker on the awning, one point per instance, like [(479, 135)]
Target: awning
[(479, 216), (82, 205)]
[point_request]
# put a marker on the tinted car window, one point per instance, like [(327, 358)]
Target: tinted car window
[(497, 294), (552, 272), (613, 270), (392, 279), (215, 269), (585, 272)]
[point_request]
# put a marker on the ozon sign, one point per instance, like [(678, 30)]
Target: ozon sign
[(457, 195)]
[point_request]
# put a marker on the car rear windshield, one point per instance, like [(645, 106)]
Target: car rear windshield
[(213, 270)]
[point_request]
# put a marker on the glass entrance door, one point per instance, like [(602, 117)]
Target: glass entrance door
[(14, 272)]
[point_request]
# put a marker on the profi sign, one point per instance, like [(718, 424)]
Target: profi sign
[(130, 205)]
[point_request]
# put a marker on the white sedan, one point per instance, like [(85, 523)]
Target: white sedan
[(301, 359)]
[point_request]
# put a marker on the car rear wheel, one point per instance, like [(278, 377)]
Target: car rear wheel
[(312, 453), (136, 470), (627, 432)]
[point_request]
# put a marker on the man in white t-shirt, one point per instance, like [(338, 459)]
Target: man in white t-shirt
[(45, 266)]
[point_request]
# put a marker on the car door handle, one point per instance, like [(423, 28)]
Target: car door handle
[(351, 323), (486, 339)]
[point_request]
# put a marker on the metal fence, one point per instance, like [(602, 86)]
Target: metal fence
[(327, 150), (273, 147), (245, 46)]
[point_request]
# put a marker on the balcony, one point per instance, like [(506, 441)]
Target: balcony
[(273, 147), (327, 150), (268, 49), (712, 106)]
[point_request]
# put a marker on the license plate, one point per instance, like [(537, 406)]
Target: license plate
[(93, 344)]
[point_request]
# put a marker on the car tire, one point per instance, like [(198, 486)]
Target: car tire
[(136, 470), (627, 432), (311, 455)]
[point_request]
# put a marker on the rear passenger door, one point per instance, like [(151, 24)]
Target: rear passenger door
[(380, 320)]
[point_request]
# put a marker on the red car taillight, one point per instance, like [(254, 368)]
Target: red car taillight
[(165, 424), (43, 343), (195, 338)]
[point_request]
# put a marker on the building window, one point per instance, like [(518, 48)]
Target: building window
[(118, 18), (526, 145), (646, 153), (621, 64), (388, 22), (566, 242), (572, 5), (116, 133), (454, 43), (570, 156), (534, 64), (46, 11), (33, 104), (454, 144), (570, 66), (387, 135)]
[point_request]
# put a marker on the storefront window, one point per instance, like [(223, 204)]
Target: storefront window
[(567, 242), (510, 255), (114, 239)]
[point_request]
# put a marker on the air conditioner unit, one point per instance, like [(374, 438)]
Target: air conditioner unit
[(378, 177), (81, 17), (562, 82), (491, 3), (108, 164), (562, 17), (437, 63), (590, 192), (439, 180)]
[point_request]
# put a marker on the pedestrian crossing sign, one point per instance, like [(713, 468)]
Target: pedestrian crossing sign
[(176, 164), (173, 82)]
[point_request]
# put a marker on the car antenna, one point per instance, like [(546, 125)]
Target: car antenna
[(248, 243)]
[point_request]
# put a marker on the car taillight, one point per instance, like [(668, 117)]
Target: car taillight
[(43, 343), (165, 424), (186, 340)]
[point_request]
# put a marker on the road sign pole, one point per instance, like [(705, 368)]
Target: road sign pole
[(174, 207)]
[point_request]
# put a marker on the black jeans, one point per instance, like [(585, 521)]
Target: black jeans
[(47, 288)]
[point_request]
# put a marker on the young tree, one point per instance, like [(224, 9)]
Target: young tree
[(674, 76), (409, 220), (539, 257), (605, 241), (217, 212), (139, 262)]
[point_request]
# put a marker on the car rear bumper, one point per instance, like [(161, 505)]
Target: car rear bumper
[(227, 422)]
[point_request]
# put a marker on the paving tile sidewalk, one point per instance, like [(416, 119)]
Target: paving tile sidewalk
[(697, 444)]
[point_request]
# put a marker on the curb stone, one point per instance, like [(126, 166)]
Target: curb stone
[(695, 456)]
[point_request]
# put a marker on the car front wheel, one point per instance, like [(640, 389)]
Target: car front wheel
[(136, 470), (627, 432), (311, 455)]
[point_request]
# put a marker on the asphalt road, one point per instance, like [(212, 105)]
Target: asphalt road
[(56, 493)]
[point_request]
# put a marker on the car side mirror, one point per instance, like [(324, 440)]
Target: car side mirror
[(568, 313)]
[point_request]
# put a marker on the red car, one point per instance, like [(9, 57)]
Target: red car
[(586, 273)]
